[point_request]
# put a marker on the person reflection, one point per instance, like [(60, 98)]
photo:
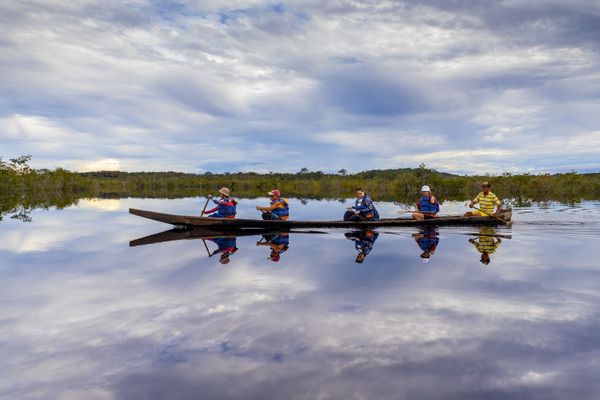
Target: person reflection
[(278, 242), (363, 242), (487, 244), (226, 247), (427, 239)]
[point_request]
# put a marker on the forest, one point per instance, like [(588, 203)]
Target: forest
[(23, 188)]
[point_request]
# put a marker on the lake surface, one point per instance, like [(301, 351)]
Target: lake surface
[(85, 316)]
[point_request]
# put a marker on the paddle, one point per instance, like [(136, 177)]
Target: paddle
[(414, 211), (508, 223), (206, 247), (205, 205)]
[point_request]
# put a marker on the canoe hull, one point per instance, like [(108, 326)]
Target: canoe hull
[(240, 223)]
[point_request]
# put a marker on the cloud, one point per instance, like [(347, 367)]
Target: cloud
[(265, 83), (177, 324)]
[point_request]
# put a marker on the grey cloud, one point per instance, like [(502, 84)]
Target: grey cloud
[(182, 74), (369, 91)]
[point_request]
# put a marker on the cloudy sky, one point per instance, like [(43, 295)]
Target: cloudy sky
[(463, 86)]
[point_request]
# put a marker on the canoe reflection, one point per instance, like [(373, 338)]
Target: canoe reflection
[(427, 238), (364, 240), (226, 241), (487, 243)]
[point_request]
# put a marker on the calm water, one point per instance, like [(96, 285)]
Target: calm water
[(85, 316)]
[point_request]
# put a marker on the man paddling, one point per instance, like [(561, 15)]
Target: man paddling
[(279, 244), (363, 209), (487, 244), (487, 202), (428, 206), (279, 208), (226, 206), (227, 246)]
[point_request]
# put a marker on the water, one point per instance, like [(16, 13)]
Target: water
[(85, 316)]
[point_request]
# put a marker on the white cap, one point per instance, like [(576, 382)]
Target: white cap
[(425, 189)]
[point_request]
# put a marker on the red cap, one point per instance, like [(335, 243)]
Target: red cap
[(274, 192)]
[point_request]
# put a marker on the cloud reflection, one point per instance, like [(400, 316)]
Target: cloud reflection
[(166, 321)]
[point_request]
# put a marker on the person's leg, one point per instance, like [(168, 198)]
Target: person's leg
[(269, 216), (216, 215), (418, 216), (357, 217), (348, 215)]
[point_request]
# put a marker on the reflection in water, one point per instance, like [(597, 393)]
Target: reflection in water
[(278, 242), (227, 245), (84, 317), (487, 243), (364, 240), (427, 239)]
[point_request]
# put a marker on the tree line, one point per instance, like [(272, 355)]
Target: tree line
[(25, 187)]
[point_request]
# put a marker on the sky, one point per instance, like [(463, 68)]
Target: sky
[(465, 87)]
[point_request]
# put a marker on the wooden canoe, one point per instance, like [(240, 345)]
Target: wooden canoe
[(202, 233), (241, 223)]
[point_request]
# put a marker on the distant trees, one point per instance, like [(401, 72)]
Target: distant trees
[(21, 184)]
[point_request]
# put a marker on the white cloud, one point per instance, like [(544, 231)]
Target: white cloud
[(142, 82)]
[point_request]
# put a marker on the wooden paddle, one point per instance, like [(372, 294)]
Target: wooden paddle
[(205, 205), (206, 247), (508, 223)]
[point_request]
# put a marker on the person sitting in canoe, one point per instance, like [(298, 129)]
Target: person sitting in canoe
[(428, 206), (363, 209), (227, 246), (279, 244), (487, 244), (226, 206), (279, 208), (487, 202), (427, 239), (363, 242)]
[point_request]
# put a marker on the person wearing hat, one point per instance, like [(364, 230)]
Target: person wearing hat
[(427, 239), (487, 201), (279, 244), (279, 208), (428, 206), (226, 206), (487, 244), (227, 247), (363, 209)]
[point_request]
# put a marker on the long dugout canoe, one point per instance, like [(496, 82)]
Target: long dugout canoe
[(241, 223)]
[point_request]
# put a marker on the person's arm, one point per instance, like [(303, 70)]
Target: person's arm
[(497, 202), (368, 205), (271, 207), (211, 211), (474, 201), (363, 206)]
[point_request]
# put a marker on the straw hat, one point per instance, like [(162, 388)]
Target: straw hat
[(224, 191)]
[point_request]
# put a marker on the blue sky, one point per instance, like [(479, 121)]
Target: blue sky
[(463, 86)]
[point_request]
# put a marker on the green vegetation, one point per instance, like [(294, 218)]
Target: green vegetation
[(23, 188)]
